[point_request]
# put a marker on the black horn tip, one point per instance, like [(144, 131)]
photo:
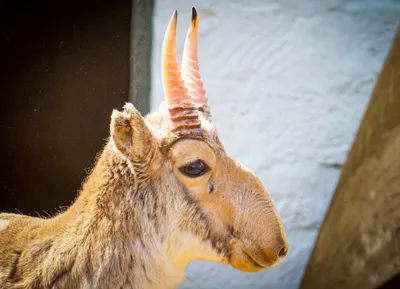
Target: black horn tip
[(194, 14), (175, 15)]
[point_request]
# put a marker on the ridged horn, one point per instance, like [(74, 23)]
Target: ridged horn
[(174, 88), (190, 67), (183, 112)]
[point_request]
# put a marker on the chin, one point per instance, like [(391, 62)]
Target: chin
[(242, 261), (246, 264), (248, 268)]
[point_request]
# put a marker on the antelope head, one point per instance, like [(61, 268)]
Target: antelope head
[(213, 208)]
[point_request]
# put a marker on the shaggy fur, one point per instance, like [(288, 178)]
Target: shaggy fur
[(138, 222)]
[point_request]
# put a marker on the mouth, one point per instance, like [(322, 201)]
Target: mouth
[(254, 262), (246, 261)]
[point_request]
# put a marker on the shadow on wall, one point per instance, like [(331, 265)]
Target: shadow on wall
[(65, 66)]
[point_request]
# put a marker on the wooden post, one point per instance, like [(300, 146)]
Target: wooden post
[(140, 60), (359, 242)]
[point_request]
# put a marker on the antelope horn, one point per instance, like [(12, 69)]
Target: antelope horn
[(191, 70), (183, 112), (174, 88)]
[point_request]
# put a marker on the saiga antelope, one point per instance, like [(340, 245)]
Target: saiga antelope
[(162, 194)]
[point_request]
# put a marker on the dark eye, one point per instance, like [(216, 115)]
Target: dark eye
[(195, 169)]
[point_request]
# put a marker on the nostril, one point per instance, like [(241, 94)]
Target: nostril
[(283, 251)]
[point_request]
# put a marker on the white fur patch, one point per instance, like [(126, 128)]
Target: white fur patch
[(3, 224), (163, 108)]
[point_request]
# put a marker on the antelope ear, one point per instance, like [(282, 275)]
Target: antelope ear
[(130, 133)]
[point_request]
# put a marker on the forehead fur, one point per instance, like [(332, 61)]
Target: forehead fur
[(159, 124)]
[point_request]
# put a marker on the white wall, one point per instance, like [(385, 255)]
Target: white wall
[(288, 82)]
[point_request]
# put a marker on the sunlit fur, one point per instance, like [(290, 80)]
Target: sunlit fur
[(138, 222)]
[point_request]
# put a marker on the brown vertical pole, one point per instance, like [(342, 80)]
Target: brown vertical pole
[(359, 243)]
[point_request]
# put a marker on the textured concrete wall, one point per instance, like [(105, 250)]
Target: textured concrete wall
[(288, 82)]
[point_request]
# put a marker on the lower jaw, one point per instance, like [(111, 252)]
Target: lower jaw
[(254, 268), (248, 265), (255, 263)]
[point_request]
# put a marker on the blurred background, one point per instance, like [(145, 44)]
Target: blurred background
[(288, 81)]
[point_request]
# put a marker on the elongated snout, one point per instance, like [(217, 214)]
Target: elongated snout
[(263, 237), (259, 239), (258, 225), (273, 249)]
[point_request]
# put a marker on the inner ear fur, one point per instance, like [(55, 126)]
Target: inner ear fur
[(130, 133)]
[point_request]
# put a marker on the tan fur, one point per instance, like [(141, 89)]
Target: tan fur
[(138, 221)]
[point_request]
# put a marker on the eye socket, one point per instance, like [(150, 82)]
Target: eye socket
[(195, 169)]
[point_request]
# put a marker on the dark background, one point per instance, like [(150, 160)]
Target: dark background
[(393, 283), (64, 67)]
